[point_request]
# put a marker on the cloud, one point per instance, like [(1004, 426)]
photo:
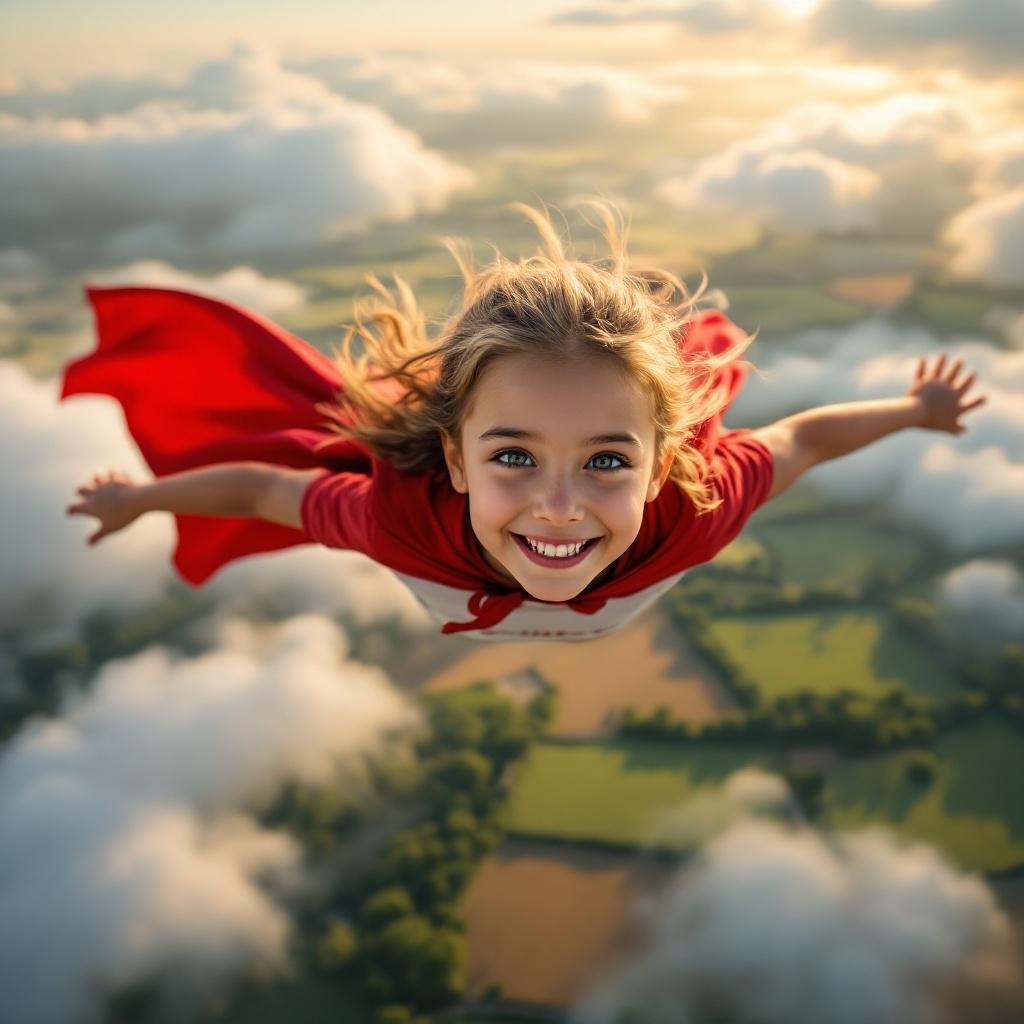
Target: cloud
[(721, 17), (129, 850), (968, 491), (803, 190), (243, 286), (777, 926), (53, 580), (248, 158), (20, 272), (987, 239), (983, 37), (87, 99), (484, 104), (824, 167), (746, 793), (49, 576), (985, 600), (338, 583)]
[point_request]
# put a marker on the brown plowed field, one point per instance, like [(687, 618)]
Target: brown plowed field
[(543, 920), (646, 663)]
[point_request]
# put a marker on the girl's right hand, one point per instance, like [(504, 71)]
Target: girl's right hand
[(110, 497)]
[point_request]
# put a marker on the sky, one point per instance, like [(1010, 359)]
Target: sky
[(53, 40)]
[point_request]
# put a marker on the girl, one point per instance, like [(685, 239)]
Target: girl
[(547, 468)]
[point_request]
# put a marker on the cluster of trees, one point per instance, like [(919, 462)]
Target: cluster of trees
[(47, 672), (707, 594), (1000, 681), (406, 940), (845, 719), (702, 591)]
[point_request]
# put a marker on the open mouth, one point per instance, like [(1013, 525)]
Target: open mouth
[(554, 562)]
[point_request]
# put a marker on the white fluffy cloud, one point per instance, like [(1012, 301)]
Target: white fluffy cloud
[(128, 845), (985, 599), (987, 239), (746, 793), (50, 576), (476, 104), (247, 157), (821, 166), (779, 926), (53, 579), (967, 491), (243, 286)]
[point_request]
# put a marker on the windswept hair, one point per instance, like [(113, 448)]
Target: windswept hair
[(548, 305)]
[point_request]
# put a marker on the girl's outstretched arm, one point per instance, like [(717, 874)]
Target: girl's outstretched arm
[(240, 489), (935, 400)]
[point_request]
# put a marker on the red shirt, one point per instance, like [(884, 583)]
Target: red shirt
[(203, 381)]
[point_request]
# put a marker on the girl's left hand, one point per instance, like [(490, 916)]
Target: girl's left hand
[(941, 395)]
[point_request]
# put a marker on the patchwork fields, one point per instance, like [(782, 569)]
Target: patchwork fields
[(828, 650)]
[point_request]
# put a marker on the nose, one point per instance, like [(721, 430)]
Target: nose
[(557, 500)]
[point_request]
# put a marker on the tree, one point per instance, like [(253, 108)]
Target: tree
[(921, 767), (337, 947), (385, 906)]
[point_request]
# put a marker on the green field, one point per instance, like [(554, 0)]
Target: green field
[(972, 810), (839, 550), (951, 309), (617, 792), (784, 309), (825, 651)]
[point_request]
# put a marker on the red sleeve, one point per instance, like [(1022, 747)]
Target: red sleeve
[(742, 470), (336, 511)]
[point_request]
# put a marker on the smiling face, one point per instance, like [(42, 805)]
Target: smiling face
[(559, 453)]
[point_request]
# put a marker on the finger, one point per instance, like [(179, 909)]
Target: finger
[(97, 537), (965, 385), (939, 365), (954, 370), (84, 491), (973, 405), (919, 374)]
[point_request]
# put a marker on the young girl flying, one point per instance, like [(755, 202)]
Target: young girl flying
[(544, 469)]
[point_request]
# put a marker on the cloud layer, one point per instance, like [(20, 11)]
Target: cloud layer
[(777, 926), (967, 491), (241, 285), (824, 167), (984, 37), (53, 579), (478, 104), (984, 598), (247, 157), (127, 846)]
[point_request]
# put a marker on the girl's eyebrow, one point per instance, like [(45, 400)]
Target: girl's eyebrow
[(526, 435)]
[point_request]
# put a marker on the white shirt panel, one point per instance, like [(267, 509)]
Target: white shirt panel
[(535, 620)]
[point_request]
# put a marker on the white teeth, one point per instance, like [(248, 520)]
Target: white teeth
[(555, 551)]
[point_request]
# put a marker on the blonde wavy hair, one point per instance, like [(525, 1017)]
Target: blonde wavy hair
[(547, 305)]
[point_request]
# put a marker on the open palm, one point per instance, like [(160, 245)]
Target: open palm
[(942, 394), (109, 498)]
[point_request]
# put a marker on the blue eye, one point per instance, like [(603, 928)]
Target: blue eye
[(611, 455), (515, 452)]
